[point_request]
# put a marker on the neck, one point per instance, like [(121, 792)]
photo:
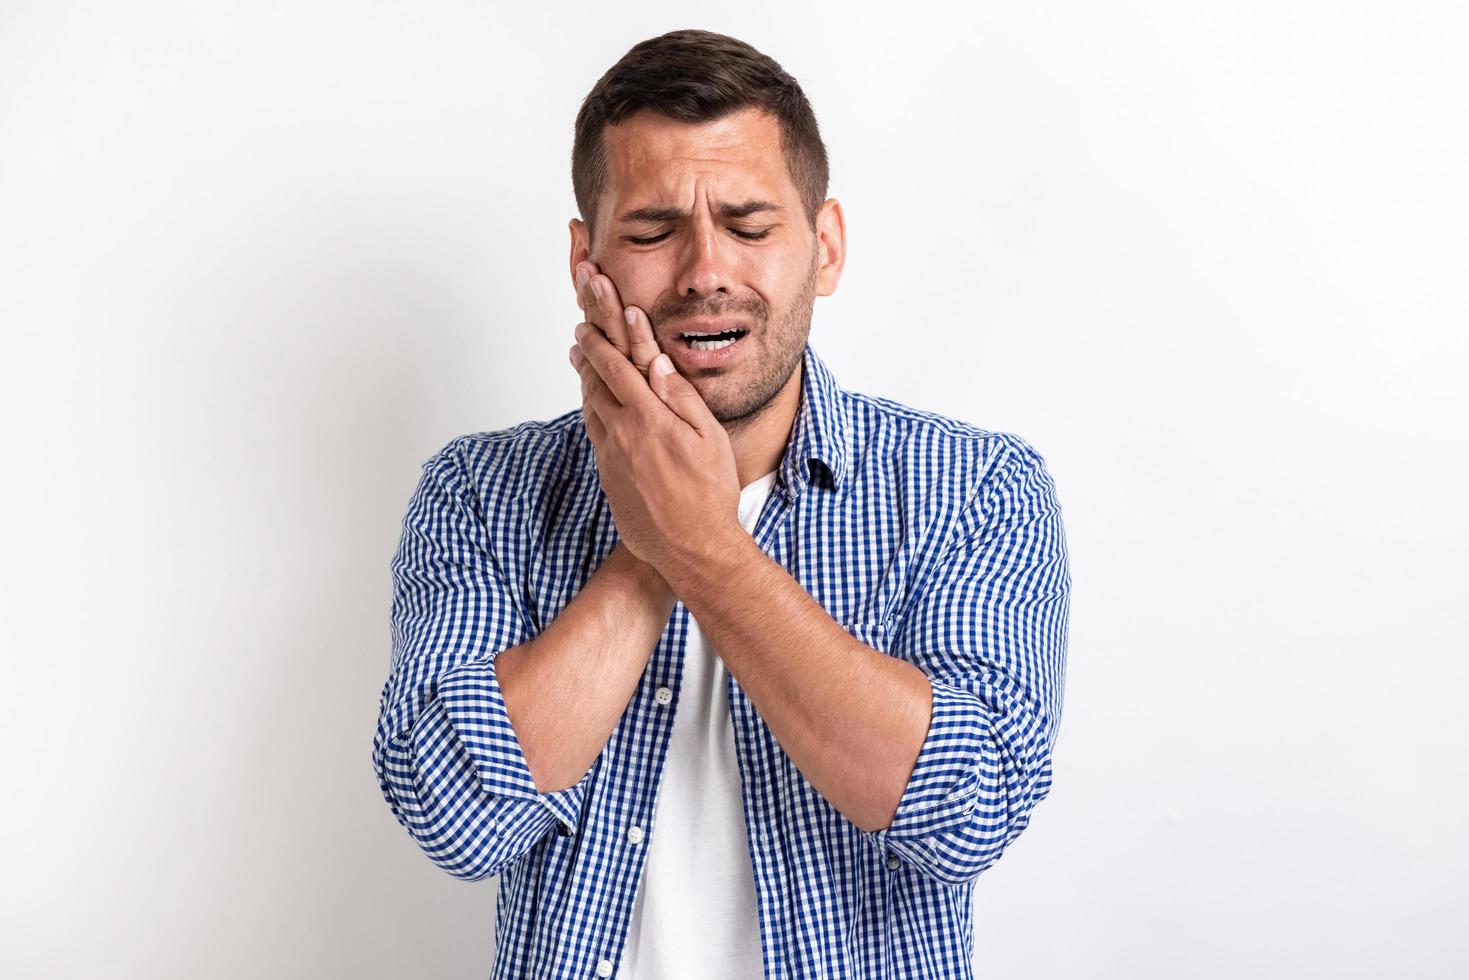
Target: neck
[(759, 442)]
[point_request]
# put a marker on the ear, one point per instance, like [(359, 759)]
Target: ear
[(581, 246), (831, 246)]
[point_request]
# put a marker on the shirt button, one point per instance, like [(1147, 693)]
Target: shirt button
[(893, 861), (635, 834), (663, 695), (604, 968)]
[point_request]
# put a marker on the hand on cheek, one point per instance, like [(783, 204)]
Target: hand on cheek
[(626, 328), (664, 461)]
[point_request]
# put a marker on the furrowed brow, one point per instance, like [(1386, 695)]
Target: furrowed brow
[(653, 215), (656, 215), (748, 208)]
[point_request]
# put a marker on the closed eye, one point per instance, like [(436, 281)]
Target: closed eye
[(752, 236)]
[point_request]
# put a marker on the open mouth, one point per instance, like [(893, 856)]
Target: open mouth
[(712, 341)]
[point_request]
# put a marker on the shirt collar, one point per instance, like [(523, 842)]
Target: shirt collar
[(821, 433)]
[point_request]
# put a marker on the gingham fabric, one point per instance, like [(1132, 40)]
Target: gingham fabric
[(925, 537)]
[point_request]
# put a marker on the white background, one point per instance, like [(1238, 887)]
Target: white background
[(259, 260)]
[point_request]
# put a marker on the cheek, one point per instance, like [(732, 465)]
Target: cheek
[(641, 279), (775, 276)]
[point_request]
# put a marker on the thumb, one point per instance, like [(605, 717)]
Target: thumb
[(678, 394)]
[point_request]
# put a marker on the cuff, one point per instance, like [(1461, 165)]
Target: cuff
[(946, 779), (957, 759), (471, 698)]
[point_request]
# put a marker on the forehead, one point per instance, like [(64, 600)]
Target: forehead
[(651, 156)]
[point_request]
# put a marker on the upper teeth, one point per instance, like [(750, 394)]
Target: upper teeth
[(697, 344), (714, 334)]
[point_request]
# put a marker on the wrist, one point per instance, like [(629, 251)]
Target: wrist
[(642, 580), (709, 563)]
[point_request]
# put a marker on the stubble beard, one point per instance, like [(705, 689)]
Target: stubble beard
[(738, 404)]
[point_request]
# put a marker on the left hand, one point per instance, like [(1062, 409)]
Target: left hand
[(664, 460)]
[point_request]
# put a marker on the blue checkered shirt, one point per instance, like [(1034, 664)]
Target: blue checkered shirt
[(925, 537)]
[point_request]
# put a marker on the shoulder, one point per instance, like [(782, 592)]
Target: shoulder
[(950, 450), (515, 461)]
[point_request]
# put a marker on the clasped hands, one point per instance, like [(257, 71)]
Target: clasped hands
[(664, 461)]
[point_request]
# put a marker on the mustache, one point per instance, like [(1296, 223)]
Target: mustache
[(680, 308)]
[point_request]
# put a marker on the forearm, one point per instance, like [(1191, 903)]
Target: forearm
[(851, 718), (565, 689)]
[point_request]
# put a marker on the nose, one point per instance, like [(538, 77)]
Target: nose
[(705, 267)]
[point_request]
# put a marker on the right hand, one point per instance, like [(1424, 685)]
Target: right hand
[(608, 315)]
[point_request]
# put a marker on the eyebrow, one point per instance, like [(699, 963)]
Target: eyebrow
[(743, 210)]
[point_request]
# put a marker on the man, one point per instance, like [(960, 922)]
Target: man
[(729, 673)]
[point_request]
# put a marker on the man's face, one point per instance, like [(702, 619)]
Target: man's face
[(701, 226)]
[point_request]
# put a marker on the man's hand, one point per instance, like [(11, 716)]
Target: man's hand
[(605, 311), (664, 460)]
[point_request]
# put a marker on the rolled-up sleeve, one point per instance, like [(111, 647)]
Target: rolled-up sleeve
[(989, 630), (447, 759)]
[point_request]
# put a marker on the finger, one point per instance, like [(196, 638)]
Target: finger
[(586, 298), (600, 399), (596, 430), (579, 364), (588, 285), (676, 391), (642, 344), (609, 304), (593, 390), (626, 382), (579, 284)]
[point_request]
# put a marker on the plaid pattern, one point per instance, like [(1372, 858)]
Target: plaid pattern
[(927, 538)]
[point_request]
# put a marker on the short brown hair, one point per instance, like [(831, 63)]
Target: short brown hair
[(696, 76)]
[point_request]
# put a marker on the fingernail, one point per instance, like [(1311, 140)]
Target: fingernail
[(629, 316), (581, 275), (597, 290), (662, 364), (581, 329)]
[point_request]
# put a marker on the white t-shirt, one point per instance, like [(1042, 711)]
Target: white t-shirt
[(695, 913)]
